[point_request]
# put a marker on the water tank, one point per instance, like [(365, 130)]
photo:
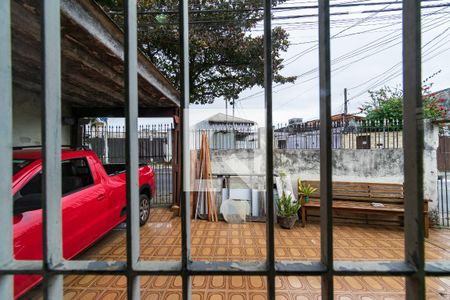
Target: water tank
[(295, 121)]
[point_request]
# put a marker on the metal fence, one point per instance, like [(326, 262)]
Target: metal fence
[(227, 137), (155, 149), (442, 215), (355, 134)]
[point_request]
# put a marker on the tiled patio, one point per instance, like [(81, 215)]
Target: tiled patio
[(160, 239)]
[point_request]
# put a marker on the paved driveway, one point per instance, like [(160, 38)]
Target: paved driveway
[(160, 240)]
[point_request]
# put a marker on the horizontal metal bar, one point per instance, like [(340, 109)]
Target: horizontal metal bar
[(158, 267), (227, 268), (119, 267), (22, 267), (119, 112), (299, 268), (372, 268), (282, 268), (437, 268), (90, 267)]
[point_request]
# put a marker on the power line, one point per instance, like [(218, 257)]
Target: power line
[(399, 72), (441, 38), (296, 57), (346, 66), (277, 8), (374, 30)]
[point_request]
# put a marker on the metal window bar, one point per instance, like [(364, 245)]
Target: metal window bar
[(268, 78), (131, 147), (185, 156), (51, 136), (6, 206), (53, 266), (413, 155), (326, 217)]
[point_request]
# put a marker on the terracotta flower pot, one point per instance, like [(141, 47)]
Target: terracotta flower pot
[(287, 222)]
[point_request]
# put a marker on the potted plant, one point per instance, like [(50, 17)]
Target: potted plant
[(287, 211), (305, 190)]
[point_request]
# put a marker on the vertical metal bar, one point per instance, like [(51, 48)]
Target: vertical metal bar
[(326, 220), (441, 202), (51, 136), (131, 147), (444, 149), (413, 149), (185, 156), (6, 205), (268, 77)]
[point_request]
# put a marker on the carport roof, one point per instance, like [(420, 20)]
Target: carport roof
[(92, 58)]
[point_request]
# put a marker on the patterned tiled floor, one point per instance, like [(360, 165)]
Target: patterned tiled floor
[(160, 240)]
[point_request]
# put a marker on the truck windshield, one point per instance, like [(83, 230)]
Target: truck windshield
[(19, 164)]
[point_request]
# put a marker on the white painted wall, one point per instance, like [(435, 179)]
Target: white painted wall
[(27, 119), (361, 165)]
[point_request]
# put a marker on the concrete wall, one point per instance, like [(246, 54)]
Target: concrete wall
[(27, 119), (377, 165)]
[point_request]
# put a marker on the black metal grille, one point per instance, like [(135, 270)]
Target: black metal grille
[(155, 149), (354, 134)]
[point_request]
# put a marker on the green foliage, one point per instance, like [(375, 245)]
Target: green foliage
[(433, 107), (305, 189), (387, 104), (225, 57), (286, 207)]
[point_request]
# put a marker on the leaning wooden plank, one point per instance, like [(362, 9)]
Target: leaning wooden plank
[(209, 179)]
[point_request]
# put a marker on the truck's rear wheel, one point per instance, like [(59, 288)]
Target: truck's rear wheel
[(144, 209)]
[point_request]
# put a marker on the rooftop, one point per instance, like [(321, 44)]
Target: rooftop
[(92, 64), (227, 119)]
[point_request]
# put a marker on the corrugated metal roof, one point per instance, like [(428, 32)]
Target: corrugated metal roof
[(227, 119)]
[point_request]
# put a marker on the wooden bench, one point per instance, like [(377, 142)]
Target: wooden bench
[(357, 198)]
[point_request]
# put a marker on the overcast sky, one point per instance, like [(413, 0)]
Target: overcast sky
[(366, 49), (365, 53)]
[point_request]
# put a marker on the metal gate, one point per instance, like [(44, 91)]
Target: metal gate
[(155, 149), (442, 216)]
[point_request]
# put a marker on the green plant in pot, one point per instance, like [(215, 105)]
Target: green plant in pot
[(306, 190), (287, 211)]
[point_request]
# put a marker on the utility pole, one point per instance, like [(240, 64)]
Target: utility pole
[(226, 114), (345, 109), (233, 112), (345, 102), (234, 129)]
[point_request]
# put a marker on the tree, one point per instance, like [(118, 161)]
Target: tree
[(387, 104), (225, 56)]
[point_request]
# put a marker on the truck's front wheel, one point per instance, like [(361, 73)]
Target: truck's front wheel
[(144, 209)]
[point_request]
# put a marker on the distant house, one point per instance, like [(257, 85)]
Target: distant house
[(226, 132), (346, 132)]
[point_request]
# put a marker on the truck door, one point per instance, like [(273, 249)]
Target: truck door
[(84, 214)]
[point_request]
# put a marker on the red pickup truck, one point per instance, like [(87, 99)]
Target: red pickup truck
[(93, 203)]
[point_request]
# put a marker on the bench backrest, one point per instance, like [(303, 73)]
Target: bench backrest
[(362, 191)]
